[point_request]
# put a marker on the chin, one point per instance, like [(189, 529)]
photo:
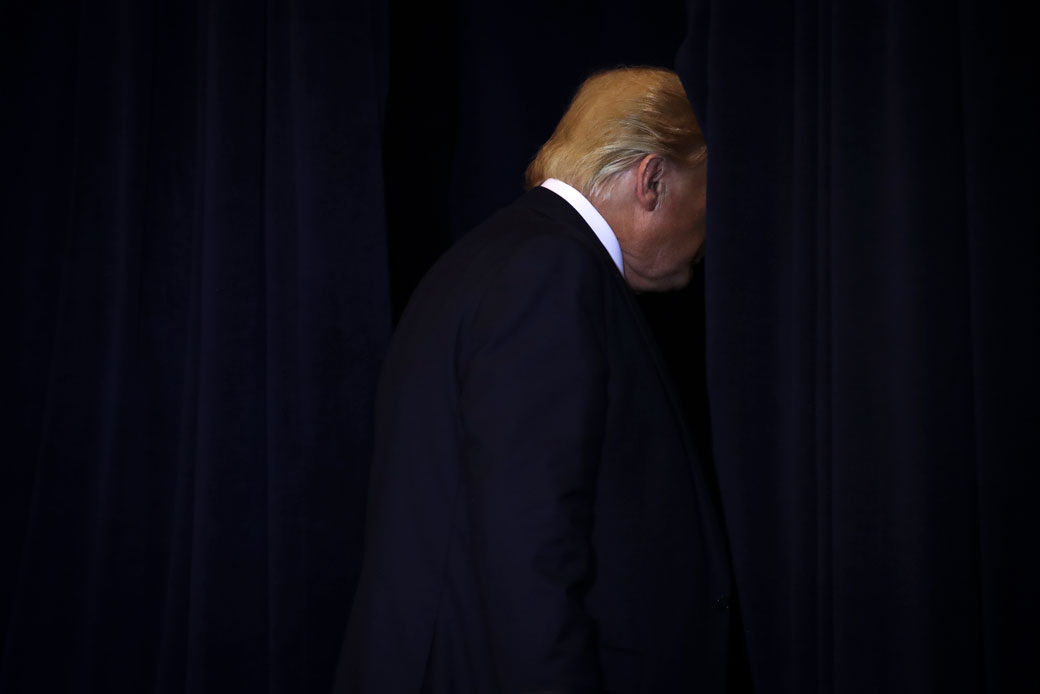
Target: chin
[(679, 280), (665, 283)]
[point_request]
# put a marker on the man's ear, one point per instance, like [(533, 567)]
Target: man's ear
[(649, 180)]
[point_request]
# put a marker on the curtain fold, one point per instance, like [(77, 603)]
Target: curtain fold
[(202, 301), (871, 320)]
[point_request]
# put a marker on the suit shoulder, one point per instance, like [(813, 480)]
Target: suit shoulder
[(525, 235), (516, 245)]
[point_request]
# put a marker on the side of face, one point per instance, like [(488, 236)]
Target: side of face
[(660, 210)]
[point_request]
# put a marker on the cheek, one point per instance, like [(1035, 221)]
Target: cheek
[(698, 230), (693, 240)]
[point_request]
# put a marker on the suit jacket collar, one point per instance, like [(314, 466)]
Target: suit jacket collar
[(552, 205)]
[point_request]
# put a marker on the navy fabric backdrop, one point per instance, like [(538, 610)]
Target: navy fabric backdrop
[(872, 309), (193, 215), (212, 213)]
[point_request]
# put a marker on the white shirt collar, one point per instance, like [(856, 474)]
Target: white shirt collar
[(591, 216)]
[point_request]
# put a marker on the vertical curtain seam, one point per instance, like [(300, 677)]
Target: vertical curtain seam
[(970, 341), (825, 228), (266, 254), (47, 411), (146, 193), (101, 520), (188, 442), (193, 566), (300, 274)]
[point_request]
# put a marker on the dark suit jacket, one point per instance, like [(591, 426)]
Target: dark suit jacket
[(538, 519)]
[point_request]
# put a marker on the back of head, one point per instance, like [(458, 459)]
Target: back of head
[(616, 118)]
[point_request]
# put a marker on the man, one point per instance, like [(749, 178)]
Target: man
[(538, 519)]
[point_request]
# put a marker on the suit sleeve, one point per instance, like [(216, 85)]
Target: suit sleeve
[(533, 403)]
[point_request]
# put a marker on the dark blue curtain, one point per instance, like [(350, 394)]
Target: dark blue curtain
[(212, 213), (195, 248), (872, 311)]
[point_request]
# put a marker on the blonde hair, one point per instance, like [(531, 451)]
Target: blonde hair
[(617, 118)]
